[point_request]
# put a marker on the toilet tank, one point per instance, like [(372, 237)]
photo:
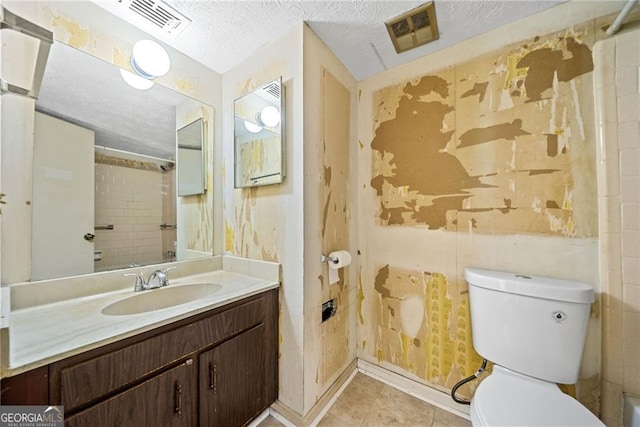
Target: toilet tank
[(533, 325)]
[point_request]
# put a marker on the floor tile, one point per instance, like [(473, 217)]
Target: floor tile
[(447, 419), (332, 420), (270, 422), (395, 408), (366, 402), (356, 400)]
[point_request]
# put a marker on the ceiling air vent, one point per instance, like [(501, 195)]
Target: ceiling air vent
[(158, 13), (414, 28)]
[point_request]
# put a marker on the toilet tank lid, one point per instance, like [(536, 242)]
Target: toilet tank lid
[(534, 286)]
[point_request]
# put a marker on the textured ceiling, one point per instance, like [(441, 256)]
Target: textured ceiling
[(225, 32), (91, 93)]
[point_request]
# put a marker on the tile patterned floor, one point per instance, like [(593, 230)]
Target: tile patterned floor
[(369, 403)]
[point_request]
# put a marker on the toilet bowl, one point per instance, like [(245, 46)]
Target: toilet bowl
[(506, 398), (533, 329)]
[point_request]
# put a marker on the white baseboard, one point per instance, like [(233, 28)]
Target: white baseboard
[(275, 414), (260, 418), (413, 388)]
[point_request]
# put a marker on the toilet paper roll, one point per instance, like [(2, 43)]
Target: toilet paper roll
[(337, 260)]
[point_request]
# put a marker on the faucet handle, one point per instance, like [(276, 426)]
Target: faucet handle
[(164, 279), (140, 282), (167, 269)]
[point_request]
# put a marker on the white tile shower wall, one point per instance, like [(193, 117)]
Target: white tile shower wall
[(626, 74), (131, 200), (169, 235)]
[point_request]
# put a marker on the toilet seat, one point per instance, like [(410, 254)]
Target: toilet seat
[(507, 398)]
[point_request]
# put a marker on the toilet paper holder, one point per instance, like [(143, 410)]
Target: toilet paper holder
[(329, 258)]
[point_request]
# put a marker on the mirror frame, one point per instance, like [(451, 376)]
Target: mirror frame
[(274, 178)]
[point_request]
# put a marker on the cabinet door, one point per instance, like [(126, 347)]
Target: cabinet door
[(232, 380), (29, 388), (167, 399)]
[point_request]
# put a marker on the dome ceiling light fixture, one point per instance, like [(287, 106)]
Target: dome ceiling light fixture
[(149, 60)]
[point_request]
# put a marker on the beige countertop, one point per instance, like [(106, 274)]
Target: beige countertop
[(42, 334)]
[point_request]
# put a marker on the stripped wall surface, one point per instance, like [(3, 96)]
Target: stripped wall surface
[(308, 214), (330, 141), (494, 144), (424, 325), (333, 344), (474, 162), (266, 223)]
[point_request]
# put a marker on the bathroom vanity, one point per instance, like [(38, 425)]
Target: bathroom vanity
[(211, 361)]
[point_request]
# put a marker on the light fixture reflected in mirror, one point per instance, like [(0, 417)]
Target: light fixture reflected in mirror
[(269, 116), (252, 127), (149, 60), (135, 81)]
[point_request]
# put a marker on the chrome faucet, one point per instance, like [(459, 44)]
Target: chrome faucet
[(157, 279)]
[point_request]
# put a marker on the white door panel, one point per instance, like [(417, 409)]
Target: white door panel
[(63, 199)]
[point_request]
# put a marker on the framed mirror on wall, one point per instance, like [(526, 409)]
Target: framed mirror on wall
[(259, 136)]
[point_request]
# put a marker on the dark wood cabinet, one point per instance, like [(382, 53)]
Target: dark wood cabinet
[(231, 386), (167, 399), (29, 388), (217, 368)]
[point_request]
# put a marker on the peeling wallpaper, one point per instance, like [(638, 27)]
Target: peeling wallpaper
[(424, 325), (330, 129), (335, 221), (486, 163), (308, 214), (266, 223), (502, 143)]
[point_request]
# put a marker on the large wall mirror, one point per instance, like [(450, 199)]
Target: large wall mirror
[(258, 135), (104, 159)]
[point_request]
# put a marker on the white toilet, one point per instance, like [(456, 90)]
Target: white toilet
[(533, 329)]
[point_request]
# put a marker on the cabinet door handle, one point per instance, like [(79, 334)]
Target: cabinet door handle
[(213, 377), (177, 399)]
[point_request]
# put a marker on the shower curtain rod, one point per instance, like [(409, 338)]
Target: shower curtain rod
[(613, 28)]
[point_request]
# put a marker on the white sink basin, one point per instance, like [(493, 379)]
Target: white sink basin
[(158, 299)]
